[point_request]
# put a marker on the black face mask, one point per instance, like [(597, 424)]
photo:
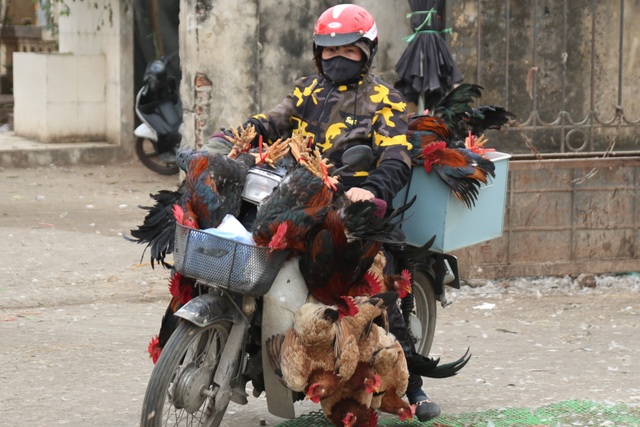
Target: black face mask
[(340, 69)]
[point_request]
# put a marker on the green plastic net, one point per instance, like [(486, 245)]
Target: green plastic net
[(573, 413)]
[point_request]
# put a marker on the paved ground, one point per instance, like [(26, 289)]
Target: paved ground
[(77, 310)]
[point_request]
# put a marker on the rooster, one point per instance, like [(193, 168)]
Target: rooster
[(453, 118), (296, 205), (299, 203), (460, 169), (450, 140), (343, 248), (400, 283), (211, 189), (333, 264), (182, 289)]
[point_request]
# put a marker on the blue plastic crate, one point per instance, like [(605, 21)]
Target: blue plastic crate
[(438, 212)]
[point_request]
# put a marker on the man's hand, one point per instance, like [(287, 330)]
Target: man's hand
[(356, 193)]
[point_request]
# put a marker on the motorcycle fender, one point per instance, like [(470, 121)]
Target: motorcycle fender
[(204, 308), (144, 131), (451, 277), (286, 295)]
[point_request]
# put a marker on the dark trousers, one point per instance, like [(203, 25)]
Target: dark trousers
[(399, 328)]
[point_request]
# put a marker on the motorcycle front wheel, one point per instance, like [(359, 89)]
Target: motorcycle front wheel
[(423, 324), (148, 156), (181, 390)]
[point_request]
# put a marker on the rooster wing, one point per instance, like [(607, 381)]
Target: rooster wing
[(289, 360)]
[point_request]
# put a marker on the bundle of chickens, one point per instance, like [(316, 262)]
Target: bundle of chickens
[(450, 140), (352, 365)]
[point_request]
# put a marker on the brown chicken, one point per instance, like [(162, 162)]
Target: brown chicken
[(348, 411), (312, 349), (390, 364), (358, 327)]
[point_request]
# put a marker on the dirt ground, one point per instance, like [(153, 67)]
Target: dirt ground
[(77, 309)]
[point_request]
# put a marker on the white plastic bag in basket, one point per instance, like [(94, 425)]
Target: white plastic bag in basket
[(230, 228)]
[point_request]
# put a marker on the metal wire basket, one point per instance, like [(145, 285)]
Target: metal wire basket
[(238, 267)]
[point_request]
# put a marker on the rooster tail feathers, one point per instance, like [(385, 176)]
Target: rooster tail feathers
[(387, 298), (452, 368), (456, 103), (489, 117), (486, 165), (158, 227), (431, 368), (383, 230), (412, 253), (399, 212)]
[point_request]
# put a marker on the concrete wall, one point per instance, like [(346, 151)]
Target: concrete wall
[(239, 58), (85, 92), (560, 222)]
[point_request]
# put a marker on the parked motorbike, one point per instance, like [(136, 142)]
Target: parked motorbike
[(248, 294), (159, 108)]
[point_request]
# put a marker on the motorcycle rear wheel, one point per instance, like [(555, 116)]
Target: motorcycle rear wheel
[(185, 369), (423, 326), (148, 156)]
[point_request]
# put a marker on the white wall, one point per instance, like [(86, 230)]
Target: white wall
[(85, 92), (59, 97)]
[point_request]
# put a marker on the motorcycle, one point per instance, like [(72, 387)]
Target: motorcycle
[(159, 108), (249, 293)]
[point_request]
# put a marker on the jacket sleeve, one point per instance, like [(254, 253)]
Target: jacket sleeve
[(389, 126), (277, 122), (387, 180)]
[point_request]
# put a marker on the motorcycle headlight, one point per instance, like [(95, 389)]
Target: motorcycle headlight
[(259, 184)]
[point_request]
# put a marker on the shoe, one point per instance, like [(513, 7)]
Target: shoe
[(425, 408)]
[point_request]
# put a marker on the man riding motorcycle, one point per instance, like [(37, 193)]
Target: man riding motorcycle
[(343, 105)]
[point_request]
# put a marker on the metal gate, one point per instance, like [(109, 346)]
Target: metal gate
[(568, 69)]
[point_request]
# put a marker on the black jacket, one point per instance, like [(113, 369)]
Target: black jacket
[(337, 117)]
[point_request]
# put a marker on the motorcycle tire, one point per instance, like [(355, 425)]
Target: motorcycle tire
[(185, 368), (147, 154), (423, 324)]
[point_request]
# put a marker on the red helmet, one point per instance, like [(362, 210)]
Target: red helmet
[(345, 24)]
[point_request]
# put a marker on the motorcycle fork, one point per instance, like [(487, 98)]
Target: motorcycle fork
[(232, 355)]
